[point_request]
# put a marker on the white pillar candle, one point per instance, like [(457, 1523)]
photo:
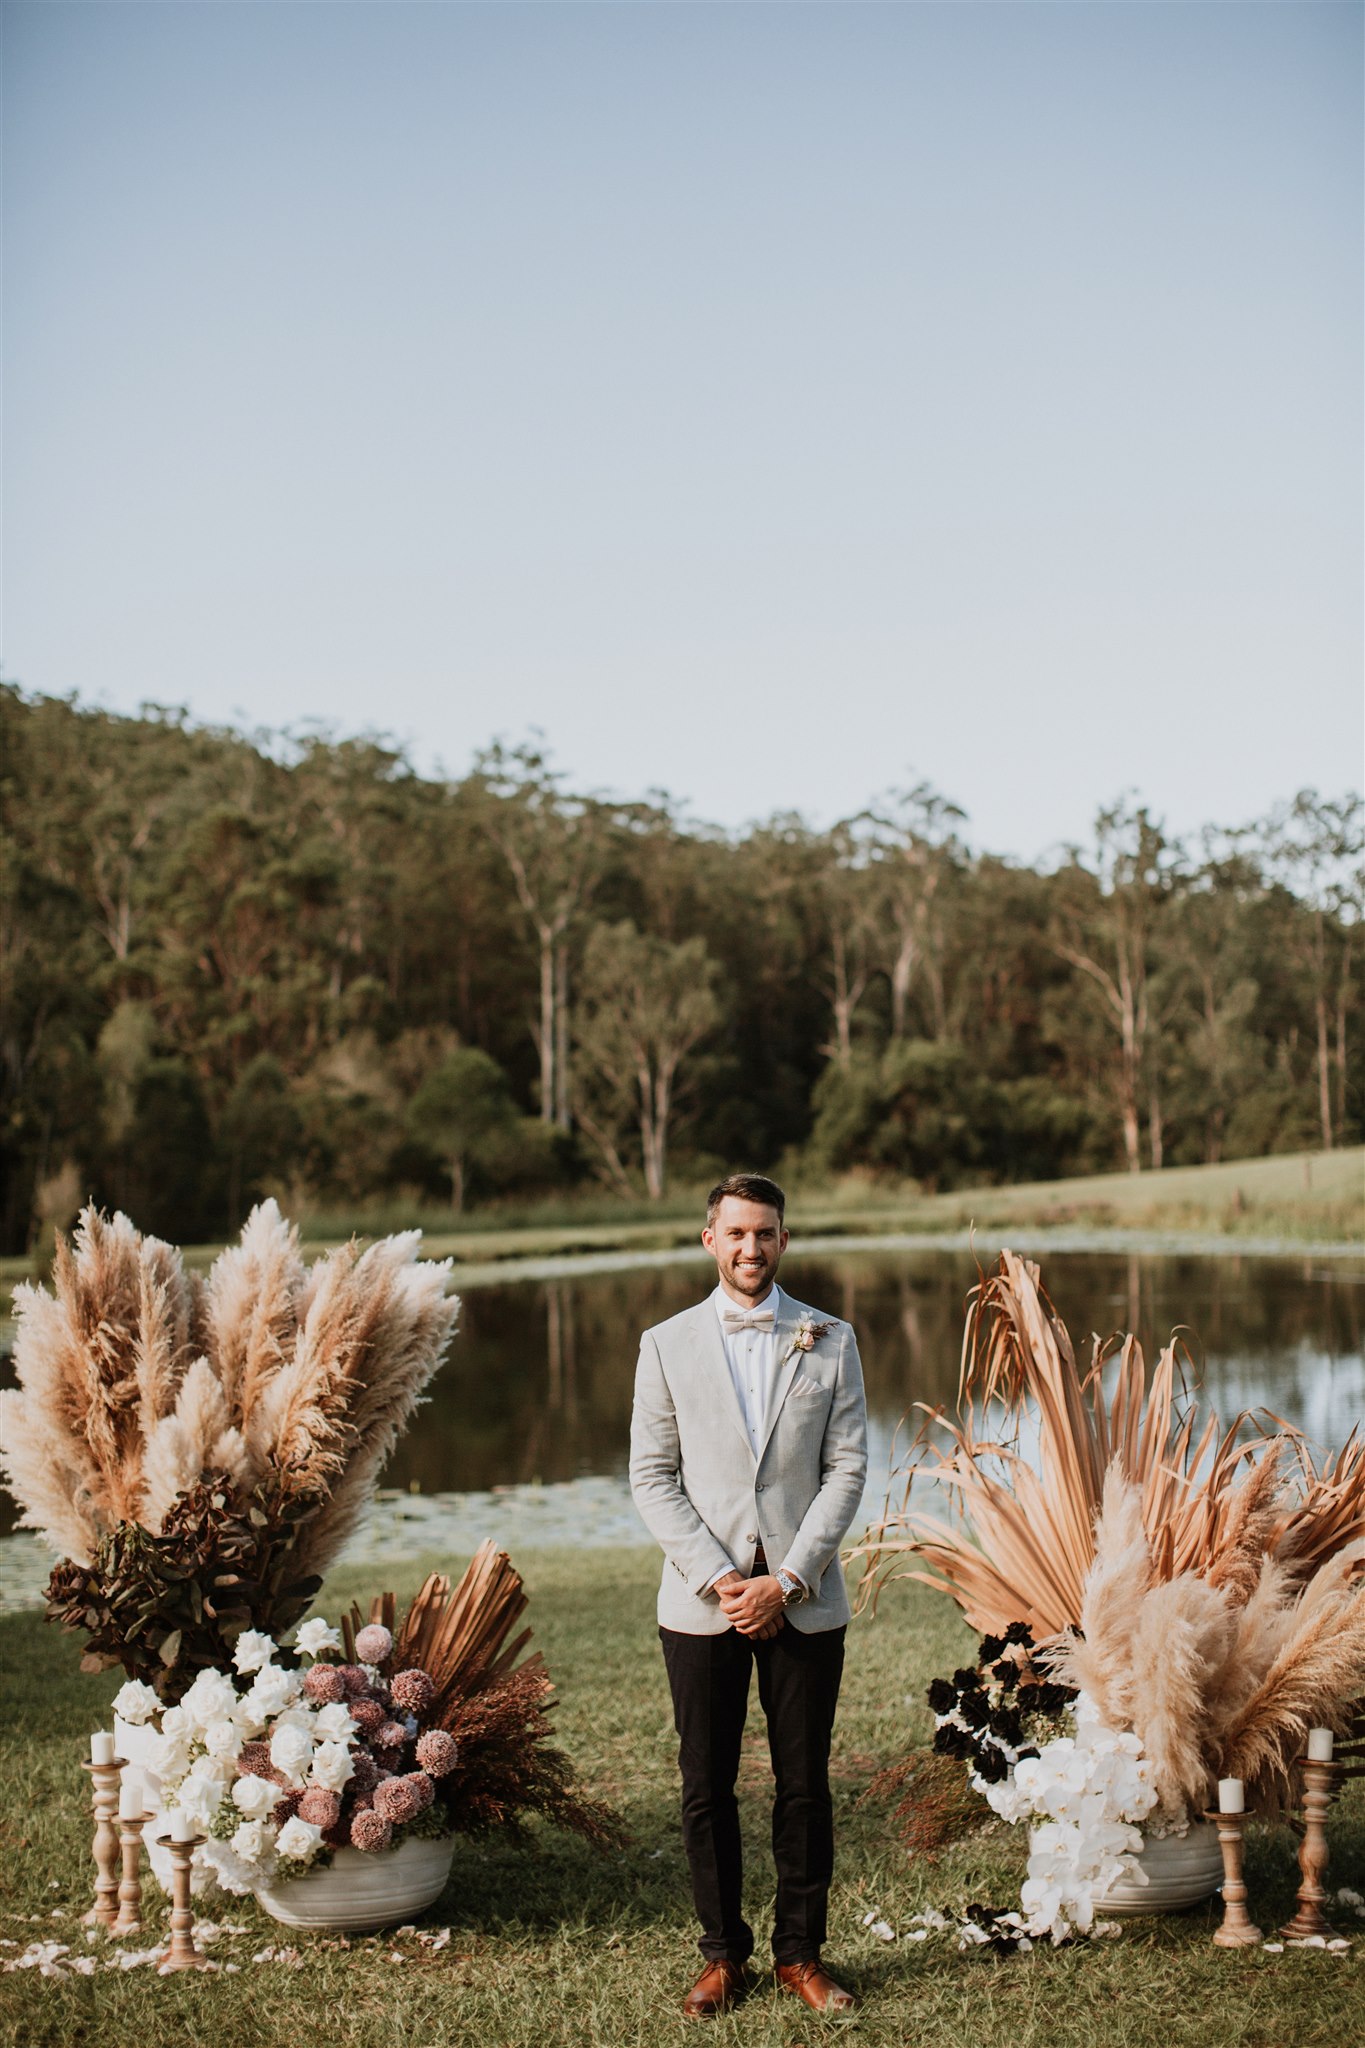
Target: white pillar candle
[(1319, 1745), (102, 1747), (129, 1797), (182, 1827), (1232, 1796)]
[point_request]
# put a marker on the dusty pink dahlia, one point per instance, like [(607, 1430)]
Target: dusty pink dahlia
[(319, 1807), (286, 1806), (324, 1683), (412, 1692), (374, 1643), (253, 1760), (396, 1800), (371, 1832), (368, 1715), (392, 1735), (421, 1787), (437, 1752), (365, 1771), (354, 1679)]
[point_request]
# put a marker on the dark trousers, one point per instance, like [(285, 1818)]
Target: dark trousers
[(798, 1688)]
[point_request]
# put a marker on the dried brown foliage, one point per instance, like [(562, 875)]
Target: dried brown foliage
[(138, 1379), (497, 1710), (936, 1805)]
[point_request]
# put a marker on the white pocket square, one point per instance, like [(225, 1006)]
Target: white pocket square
[(802, 1385)]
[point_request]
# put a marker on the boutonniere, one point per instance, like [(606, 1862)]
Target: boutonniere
[(807, 1336)]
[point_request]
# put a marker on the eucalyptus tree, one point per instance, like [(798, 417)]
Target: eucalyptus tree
[(646, 1003)]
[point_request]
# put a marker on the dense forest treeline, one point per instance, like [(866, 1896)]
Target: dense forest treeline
[(232, 965)]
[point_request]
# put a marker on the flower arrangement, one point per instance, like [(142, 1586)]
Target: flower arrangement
[(805, 1337), (364, 1735), (1000, 1710), (199, 1448), (1086, 1795), (281, 1764)]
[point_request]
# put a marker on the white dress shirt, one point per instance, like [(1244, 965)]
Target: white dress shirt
[(752, 1358)]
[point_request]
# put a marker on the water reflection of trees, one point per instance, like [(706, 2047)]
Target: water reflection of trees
[(538, 1385)]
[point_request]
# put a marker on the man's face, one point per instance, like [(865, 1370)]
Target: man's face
[(746, 1241)]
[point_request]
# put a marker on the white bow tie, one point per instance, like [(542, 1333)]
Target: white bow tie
[(756, 1319)]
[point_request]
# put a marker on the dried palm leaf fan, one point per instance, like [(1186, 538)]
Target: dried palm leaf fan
[(1024, 1541), (496, 1709)]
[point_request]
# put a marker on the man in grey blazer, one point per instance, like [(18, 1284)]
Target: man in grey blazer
[(748, 1453)]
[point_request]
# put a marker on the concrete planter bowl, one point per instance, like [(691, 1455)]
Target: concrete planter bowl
[(358, 1892), (1180, 1871)]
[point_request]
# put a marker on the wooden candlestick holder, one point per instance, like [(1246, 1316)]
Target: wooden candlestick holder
[(182, 1953), (1320, 1783), (130, 1828), (1238, 1929), (104, 1779)]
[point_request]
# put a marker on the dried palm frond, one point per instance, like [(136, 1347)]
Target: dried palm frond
[(1018, 1541)]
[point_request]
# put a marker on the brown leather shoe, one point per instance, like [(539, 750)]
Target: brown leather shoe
[(811, 1982), (721, 1985)]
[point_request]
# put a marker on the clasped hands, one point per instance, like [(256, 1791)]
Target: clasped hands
[(753, 1606)]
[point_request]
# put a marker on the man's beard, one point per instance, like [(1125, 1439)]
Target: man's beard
[(753, 1284)]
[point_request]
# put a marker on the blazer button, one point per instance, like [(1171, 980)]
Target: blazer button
[(751, 1536), (759, 1487)]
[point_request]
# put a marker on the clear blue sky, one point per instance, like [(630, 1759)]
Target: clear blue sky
[(767, 401)]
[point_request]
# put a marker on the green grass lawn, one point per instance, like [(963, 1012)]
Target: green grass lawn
[(555, 1944)]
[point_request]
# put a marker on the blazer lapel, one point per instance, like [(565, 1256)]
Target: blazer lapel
[(787, 1326), (710, 1350)]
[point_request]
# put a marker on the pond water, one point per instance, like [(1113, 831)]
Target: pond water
[(538, 1383)]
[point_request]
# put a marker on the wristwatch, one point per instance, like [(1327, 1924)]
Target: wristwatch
[(792, 1588)]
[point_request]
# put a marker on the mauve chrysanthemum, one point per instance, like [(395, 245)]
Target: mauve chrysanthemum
[(324, 1684), (396, 1800), (368, 1715), (422, 1788), (437, 1752), (253, 1760), (392, 1735), (365, 1774), (338, 1837), (356, 1681), (286, 1806), (374, 1643), (321, 1808), (412, 1692), (371, 1832)]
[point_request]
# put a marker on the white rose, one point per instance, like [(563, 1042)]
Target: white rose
[(298, 1839), (333, 1765), (135, 1702), (169, 1759), (253, 1650), (316, 1635), (291, 1752), (255, 1797), (223, 1739), (272, 1691), (175, 1723), (249, 1841), (334, 1723), (200, 1798), (298, 1716), (211, 1698)]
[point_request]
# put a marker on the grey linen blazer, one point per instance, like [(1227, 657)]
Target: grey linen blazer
[(709, 1502)]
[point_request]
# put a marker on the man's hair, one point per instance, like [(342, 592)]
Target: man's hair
[(749, 1187)]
